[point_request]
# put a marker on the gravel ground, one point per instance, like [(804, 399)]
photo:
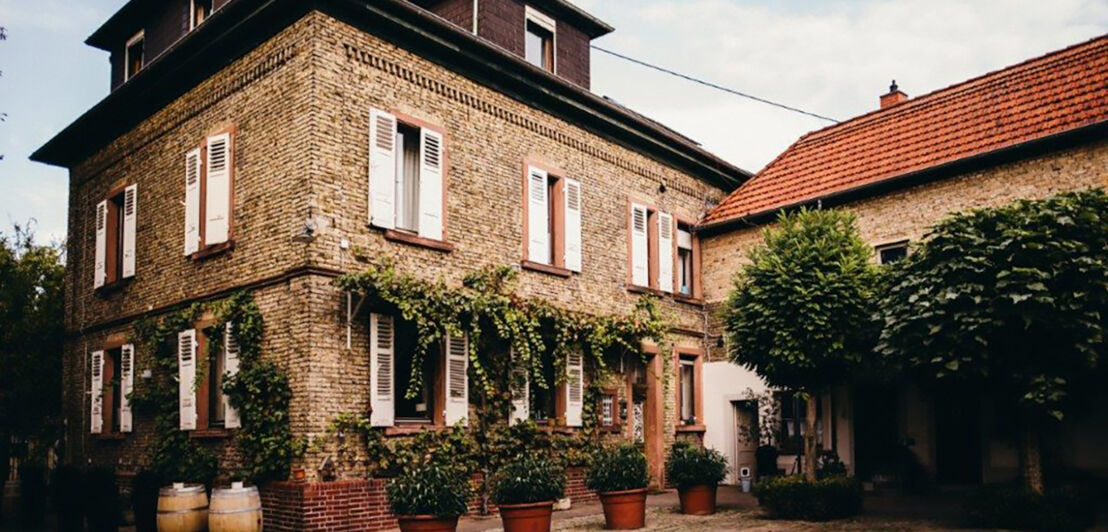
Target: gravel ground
[(669, 519)]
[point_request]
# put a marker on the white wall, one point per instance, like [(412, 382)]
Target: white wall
[(725, 382)]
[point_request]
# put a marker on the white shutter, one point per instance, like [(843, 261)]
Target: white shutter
[(217, 201), (431, 171), (538, 217), (101, 273), (127, 385), (186, 378), (382, 169), (457, 385), (520, 387), (573, 225), (96, 385), (575, 388), (231, 417), (382, 338), (130, 212), (665, 252), (640, 274), (192, 202)]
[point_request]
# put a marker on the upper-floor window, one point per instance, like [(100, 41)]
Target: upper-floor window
[(115, 236), (552, 219), (407, 167), (202, 402), (133, 55), (686, 265), (209, 182), (199, 12), (539, 40), (652, 248), (891, 253)]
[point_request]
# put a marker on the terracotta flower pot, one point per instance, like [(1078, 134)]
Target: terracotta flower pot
[(530, 517), (624, 510), (426, 523), (698, 500)]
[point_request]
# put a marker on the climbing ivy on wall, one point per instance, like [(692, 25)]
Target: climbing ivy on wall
[(260, 392)]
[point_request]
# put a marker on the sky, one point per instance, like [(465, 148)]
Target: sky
[(830, 57)]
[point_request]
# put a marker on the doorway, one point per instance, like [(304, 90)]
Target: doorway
[(957, 438), (746, 438)]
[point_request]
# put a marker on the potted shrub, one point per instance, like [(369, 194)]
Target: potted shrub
[(525, 491), (620, 475), (696, 472), (430, 498)]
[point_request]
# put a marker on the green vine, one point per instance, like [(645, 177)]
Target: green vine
[(260, 392)]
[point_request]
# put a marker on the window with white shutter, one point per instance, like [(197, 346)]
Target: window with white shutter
[(186, 379), (430, 185), (231, 418), (457, 380), (538, 216), (575, 388), (100, 273), (130, 217), (665, 251), (381, 343), (192, 201), (520, 386), (640, 269), (127, 385), (407, 176), (573, 202), (382, 169), (96, 392), (217, 195)]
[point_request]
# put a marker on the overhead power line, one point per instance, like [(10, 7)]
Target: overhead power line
[(713, 85)]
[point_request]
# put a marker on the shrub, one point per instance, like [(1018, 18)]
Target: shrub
[(430, 490), (618, 469), (144, 500), (792, 497), (101, 500), (532, 478), (1015, 507), (766, 458), (829, 465), (32, 497), (689, 465), (67, 491)]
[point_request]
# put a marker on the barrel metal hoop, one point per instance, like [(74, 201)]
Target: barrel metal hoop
[(188, 511), (230, 512)]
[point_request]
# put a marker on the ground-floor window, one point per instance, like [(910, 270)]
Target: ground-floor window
[(794, 415), (417, 407)]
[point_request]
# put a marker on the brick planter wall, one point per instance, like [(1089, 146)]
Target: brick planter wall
[(359, 504)]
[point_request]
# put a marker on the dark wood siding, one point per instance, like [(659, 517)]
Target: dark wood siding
[(459, 12), (163, 25), (502, 22)]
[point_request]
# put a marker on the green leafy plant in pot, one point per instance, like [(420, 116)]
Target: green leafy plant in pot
[(525, 491), (697, 472), (620, 475), (430, 498)]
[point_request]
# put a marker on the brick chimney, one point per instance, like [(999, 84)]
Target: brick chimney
[(894, 96)]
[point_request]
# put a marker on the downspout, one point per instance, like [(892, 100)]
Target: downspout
[(475, 2)]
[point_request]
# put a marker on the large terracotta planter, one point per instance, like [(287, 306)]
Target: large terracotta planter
[(624, 510), (531, 517), (426, 523), (698, 500)]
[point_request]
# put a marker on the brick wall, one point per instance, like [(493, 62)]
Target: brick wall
[(460, 12)]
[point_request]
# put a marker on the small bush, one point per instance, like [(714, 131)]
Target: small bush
[(618, 469), (689, 465), (792, 497), (67, 491), (430, 490), (530, 479), (144, 500), (1015, 507)]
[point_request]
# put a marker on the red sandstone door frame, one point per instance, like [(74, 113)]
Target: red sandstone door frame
[(654, 417)]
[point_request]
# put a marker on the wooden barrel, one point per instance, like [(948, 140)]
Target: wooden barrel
[(182, 508), (235, 509)]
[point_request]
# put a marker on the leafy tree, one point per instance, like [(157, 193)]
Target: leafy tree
[(801, 313), (31, 334), (1011, 300)]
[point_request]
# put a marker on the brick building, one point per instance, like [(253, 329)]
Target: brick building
[(265, 145), (1031, 130)]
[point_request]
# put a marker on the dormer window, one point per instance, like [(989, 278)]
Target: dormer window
[(133, 55), (201, 10), (539, 40)]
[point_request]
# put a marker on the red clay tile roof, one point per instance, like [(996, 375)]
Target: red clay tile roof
[(1051, 94)]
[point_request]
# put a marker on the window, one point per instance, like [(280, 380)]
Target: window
[(544, 398), (539, 40), (115, 237), (552, 220), (652, 259), (688, 407), (202, 403), (133, 55), (794, 413), (689, 410), (209, 185), (112, 379), (609, 410), (685, 265), (444, 396), (201, 10), (407, 165), (891, 253)]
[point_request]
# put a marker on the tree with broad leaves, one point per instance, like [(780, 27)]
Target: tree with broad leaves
[(1012, 301), (801, 314)]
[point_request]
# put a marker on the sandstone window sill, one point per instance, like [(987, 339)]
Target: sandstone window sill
[(112, 436), (636, 289), (692, 428), (212, 251), (689, 300), (411, 429), (115, 286), (545, 268), (393, 235), (210, 434)]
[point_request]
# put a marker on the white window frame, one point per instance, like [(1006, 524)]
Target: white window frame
[(890, 245), (140, 36), (541, 19)]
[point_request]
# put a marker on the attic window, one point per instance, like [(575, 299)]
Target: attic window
[(201, 10), (539, 40), (133, 55)]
